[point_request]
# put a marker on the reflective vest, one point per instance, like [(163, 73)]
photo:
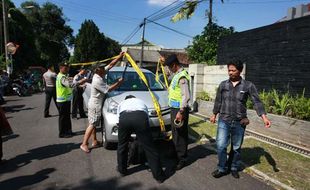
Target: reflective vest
[(175, 93), (63, 93)]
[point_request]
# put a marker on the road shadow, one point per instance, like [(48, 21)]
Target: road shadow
[(92, 184), (16, 108), (198, 152), (251, 157), (37, 154), (9, 137), (27, 180)]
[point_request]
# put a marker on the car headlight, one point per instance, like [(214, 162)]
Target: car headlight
[(112, 107)]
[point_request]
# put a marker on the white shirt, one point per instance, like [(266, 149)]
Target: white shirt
[(132, 104), (98, 90)]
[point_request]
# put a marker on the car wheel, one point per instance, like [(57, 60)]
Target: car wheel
[(105, 143)]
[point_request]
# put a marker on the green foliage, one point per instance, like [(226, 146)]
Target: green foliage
[(91, 45), (185, 12), (284, 104), (204, 48), (203, 96), (301, 107)]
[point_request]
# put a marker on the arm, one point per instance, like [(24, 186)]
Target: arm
[(217, 104), (115, 85), (185, 98), (108, 67), (258, 105)]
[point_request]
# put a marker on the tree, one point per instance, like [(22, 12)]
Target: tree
[(52, 35), (204, 48), (189, 8), (91, 45)]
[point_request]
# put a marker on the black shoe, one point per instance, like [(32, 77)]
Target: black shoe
[(180, 165), (74, 117), (218, 174), (235, 174), (83, 116), (121, 174), (61, 136), (161, 179), (48, 115)]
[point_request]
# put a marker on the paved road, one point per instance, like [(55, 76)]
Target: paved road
[(38, 159)]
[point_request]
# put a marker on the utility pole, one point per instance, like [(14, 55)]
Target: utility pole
[(142, 45), (5, 34)]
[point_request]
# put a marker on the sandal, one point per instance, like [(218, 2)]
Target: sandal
[(86, 150), (96, 145)]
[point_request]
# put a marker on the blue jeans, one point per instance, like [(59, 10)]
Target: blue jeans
[(229, 131)]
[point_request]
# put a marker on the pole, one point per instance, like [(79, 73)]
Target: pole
[(142, 45), (5, 33)]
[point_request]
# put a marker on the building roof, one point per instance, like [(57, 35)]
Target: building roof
[(148, 56), (182, 56)]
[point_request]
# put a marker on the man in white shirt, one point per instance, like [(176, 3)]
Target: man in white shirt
[(133, 117)]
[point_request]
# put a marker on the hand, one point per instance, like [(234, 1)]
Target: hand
[(212, 118), (266, 121), (179, 117), (162, 59), (120, 80)]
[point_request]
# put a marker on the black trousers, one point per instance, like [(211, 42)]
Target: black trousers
[(64, 120), (77, 102), (180, 135), (137, 121), (50, 92)]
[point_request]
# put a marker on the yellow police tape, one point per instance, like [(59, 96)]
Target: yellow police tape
[(93, 62), (159, 64), (155, 102)]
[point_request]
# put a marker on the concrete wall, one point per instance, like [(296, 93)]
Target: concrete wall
[(207, 78), (277, 56)]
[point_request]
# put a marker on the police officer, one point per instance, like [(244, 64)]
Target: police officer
[(64, 86), (179, 96), (77, 101), (50, 88), (133, 117)]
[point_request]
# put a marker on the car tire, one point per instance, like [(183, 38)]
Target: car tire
[(105, 143)]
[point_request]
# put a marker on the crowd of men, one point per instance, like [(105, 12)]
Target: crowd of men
[(229, 110)]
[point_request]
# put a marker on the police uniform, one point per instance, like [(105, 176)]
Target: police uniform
[(64, 95), (179, 96)]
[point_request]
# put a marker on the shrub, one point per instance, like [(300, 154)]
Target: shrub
[(282, 103), (301, 107), (203, 96)]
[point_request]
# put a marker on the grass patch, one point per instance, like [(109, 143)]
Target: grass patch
[(199, 128), (287, 167)]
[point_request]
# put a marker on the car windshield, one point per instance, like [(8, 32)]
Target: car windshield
[(132, 81)]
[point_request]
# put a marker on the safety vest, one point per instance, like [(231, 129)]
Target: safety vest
[(175, 93), (63, 93)]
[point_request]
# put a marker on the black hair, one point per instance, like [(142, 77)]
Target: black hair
[(172, 59), (129, 96), (237, 63)]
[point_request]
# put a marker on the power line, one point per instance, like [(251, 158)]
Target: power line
[(181, 33)]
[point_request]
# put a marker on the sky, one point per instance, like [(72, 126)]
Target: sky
[(117, 19)]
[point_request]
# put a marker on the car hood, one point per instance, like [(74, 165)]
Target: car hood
[(161, 96)]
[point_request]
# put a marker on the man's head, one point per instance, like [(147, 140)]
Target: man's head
[(99, 69), (64, 67), (173, 63), (82, 70), (235, 68), (129, 96), (50, 67)]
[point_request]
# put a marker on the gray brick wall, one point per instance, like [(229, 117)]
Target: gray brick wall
[(276, 56)]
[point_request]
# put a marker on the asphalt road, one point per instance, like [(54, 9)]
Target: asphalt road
[(38, 159)]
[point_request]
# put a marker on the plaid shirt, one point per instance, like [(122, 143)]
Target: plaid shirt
[(230, 101)]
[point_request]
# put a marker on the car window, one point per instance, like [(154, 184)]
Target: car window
[(132, 81)]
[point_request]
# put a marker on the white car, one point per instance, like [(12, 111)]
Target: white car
[(132, 85)]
